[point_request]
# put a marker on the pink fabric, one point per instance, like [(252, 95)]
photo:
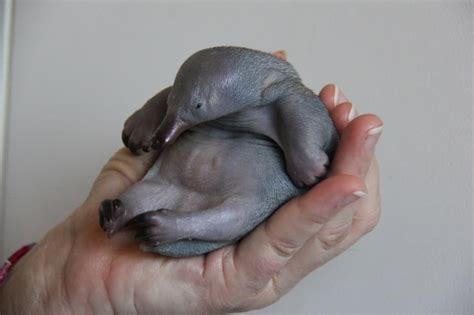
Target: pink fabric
[(12, 260)]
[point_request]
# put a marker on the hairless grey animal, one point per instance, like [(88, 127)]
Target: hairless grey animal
[(238, 134)]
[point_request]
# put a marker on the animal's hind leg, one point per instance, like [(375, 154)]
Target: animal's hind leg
[(189, 233), (140, 126), (114, 214)]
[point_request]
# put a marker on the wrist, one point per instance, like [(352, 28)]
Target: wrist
[(35, 283)]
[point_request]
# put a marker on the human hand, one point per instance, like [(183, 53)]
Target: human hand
[(76, 269)]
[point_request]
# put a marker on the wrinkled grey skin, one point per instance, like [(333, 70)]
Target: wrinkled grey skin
[(238, 135)]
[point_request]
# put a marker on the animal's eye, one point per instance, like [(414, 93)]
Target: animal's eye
[(199, 105)]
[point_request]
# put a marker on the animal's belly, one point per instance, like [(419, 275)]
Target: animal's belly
[(218, 167)]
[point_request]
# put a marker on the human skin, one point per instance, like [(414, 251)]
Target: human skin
[(76, 269)]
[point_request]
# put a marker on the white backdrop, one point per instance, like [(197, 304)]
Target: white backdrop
[(80, 68)]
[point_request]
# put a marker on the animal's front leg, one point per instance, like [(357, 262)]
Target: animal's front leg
[(307, 136), (226, 222), (139, 127)]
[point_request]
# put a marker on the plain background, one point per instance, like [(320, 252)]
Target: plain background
[(80, 68)]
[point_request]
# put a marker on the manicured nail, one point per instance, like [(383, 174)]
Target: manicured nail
[(375, 131), (373, 136), (356, 195), (359, 193), (339, 97), (352, 114)]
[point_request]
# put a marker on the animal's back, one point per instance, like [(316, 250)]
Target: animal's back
[(244, 61)]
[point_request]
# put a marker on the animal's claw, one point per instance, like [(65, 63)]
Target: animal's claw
[(154, 227), (110, 215), (309, 171)]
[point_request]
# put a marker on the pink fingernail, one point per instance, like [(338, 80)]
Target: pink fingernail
[(356, 195), (359, 193), (339, 97), (352, 114), (375, 131), (373, 136)]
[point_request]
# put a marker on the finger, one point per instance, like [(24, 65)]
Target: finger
[(353, 142), (331, 95), (330, 242), (357, 140), (340, 108), (367, 214), (342, 115), (280, 54), (121, 171), (356, 147), (339, 233), (266, 250)]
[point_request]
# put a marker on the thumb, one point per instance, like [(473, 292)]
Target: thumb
[(122, 171)]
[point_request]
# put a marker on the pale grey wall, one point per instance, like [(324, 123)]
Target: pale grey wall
[(80, 68), (2, 105)]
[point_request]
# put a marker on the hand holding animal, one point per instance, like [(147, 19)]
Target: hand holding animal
[(238, 134)]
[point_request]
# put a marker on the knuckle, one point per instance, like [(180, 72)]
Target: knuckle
[(370, 224), (317, 218), (119, 165), (278, 287), (263, 269), (330, 237), (283, 247)]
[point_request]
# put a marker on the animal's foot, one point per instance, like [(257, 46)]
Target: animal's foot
[(307, 171), (138, 131), (111, 215), (156, 227)]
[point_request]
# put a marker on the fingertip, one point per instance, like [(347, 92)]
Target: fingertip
[(327, 95), (356, 147), (363, 124), (345, 184), (340, 188), (341, 115)]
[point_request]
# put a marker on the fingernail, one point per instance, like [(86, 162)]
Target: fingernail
[(373, 136), (339, 97), (359, 193), (352, 114), (356, 195), (375, 131)]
